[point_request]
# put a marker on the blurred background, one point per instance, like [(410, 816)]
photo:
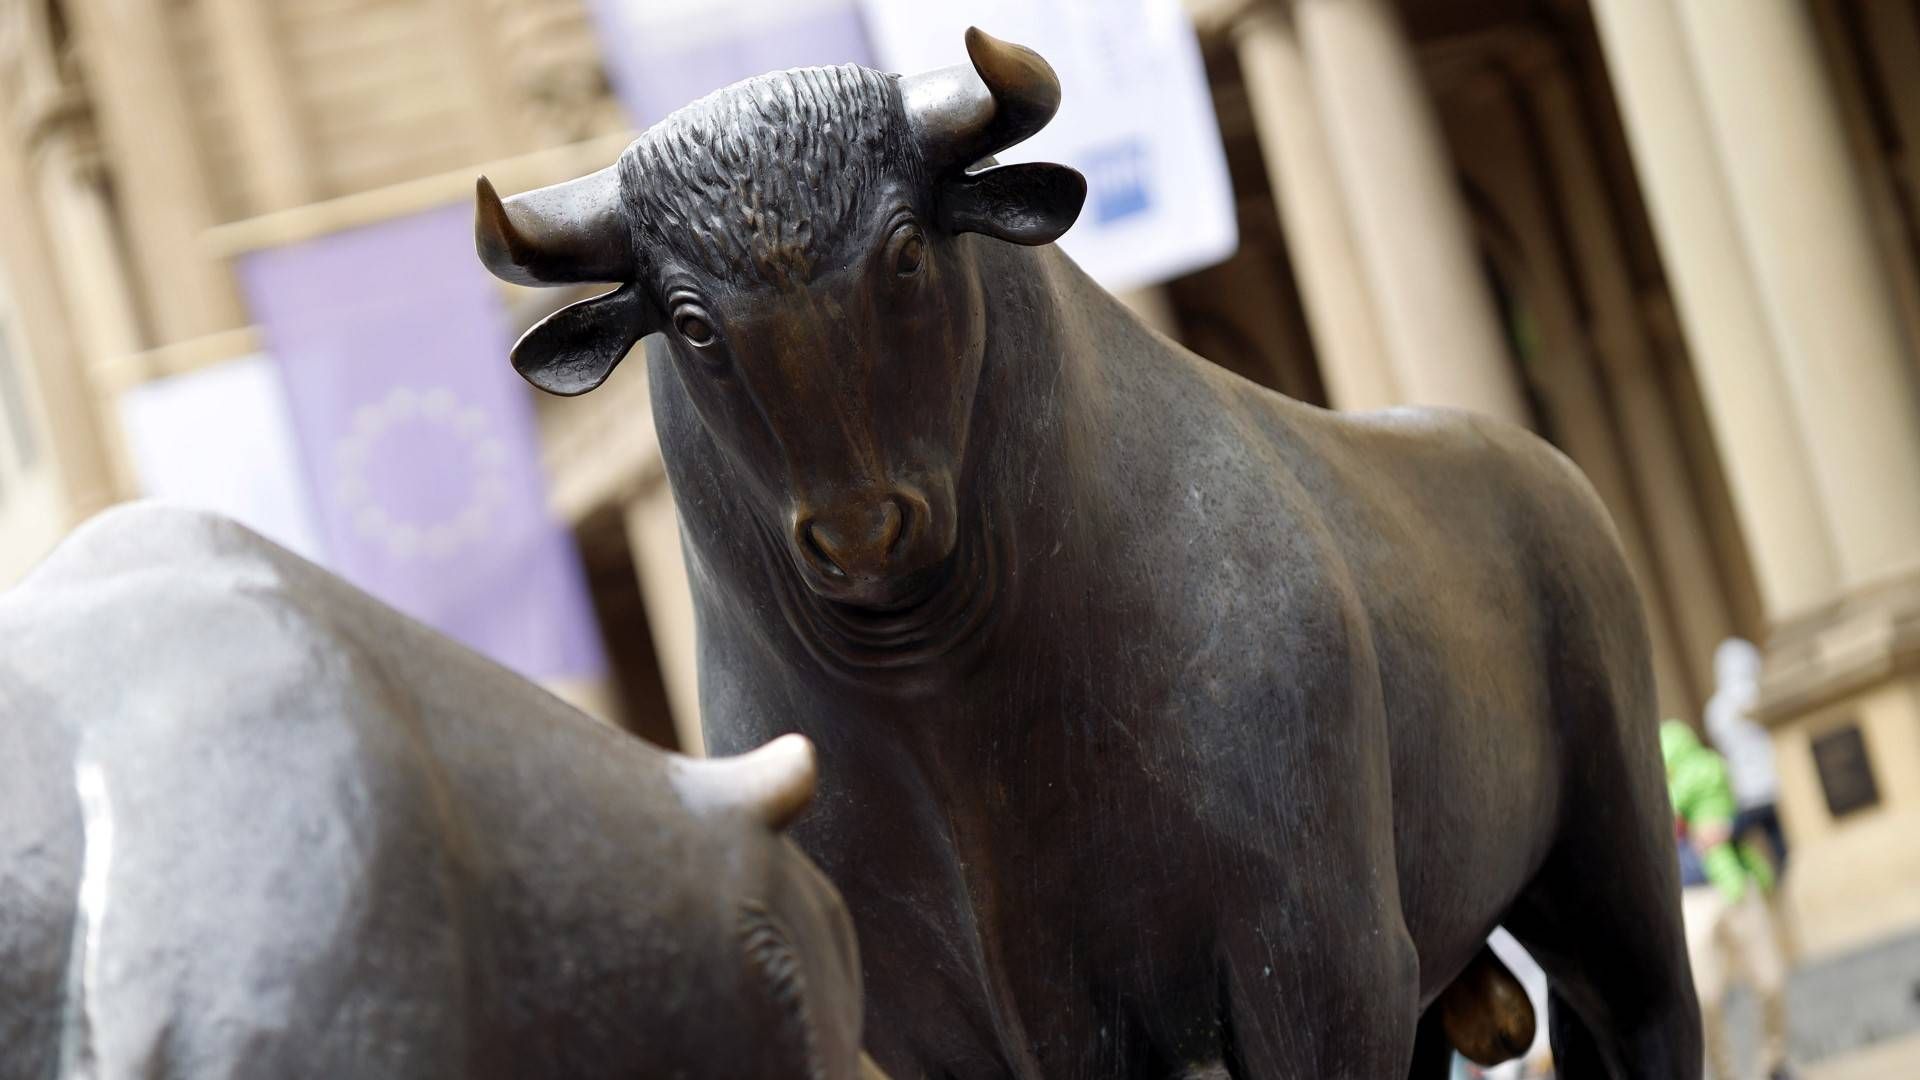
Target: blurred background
[(1678, 238)]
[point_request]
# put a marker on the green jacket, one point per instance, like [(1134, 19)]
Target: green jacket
[(1702, 798)]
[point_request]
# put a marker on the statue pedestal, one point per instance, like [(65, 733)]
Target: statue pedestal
[(1842, 699)]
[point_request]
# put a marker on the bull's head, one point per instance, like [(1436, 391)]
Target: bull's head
[(797, 239)]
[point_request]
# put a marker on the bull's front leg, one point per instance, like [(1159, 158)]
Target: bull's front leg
[(1343, 1005), (1322, 976)]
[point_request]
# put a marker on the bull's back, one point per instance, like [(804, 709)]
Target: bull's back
[(241, 839), (302, 834)]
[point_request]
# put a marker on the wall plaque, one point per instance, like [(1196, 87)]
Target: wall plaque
[(1846, 772)]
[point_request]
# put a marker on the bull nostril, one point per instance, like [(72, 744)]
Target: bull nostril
[(901, 521), (869, 540), (818, 552)]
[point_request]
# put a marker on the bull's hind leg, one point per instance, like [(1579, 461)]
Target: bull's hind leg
[(1432, 1053), (1572, 1041), (1603, 919), (1602, 914)]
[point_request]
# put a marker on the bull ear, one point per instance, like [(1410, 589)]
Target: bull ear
[(1023, 204), (574, 349)]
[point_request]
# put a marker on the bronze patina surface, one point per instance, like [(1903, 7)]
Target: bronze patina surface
[(1170, 727), (254, 823)]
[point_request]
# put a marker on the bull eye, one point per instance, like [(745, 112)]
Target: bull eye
[(909, 250), (693, 325)]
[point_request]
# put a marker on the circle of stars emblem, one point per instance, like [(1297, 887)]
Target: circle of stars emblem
[(440, 410)]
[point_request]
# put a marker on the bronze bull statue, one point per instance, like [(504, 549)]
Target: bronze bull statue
[(1172, 727), (255, 824)]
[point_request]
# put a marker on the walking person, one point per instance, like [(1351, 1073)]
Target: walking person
[(1730, 933), (1746, 746)]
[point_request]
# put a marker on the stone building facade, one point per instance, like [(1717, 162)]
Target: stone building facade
[(1681, 240)]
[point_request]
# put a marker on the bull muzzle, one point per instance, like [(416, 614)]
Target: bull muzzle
[(873, 549)]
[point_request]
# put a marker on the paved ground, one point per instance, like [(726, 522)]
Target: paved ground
[(1896, 1060), (1853, 1017)]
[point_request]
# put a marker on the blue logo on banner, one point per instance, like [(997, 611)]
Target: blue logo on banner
[(1117, 180)]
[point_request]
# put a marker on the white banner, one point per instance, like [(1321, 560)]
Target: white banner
[(1136, 117), (220, 439)]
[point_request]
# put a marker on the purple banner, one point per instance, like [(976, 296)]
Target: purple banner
[(418, 439), (661, 56)]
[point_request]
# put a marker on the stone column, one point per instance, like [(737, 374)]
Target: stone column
[(1762, 220), (87, 256), (1755, 427), (46, 285), (1354, 362), (493, 116), (1436, 313), (1842, 685), (148, 135), (1675, 529), (653, 532), (280, 171), (1805, 224)]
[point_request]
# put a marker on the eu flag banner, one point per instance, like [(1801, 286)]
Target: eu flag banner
[(417, 439), (1136, 116), (661, 56)]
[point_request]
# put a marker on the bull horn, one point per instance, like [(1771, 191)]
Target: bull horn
[(773, 783), (960, 115), (560, 235)]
